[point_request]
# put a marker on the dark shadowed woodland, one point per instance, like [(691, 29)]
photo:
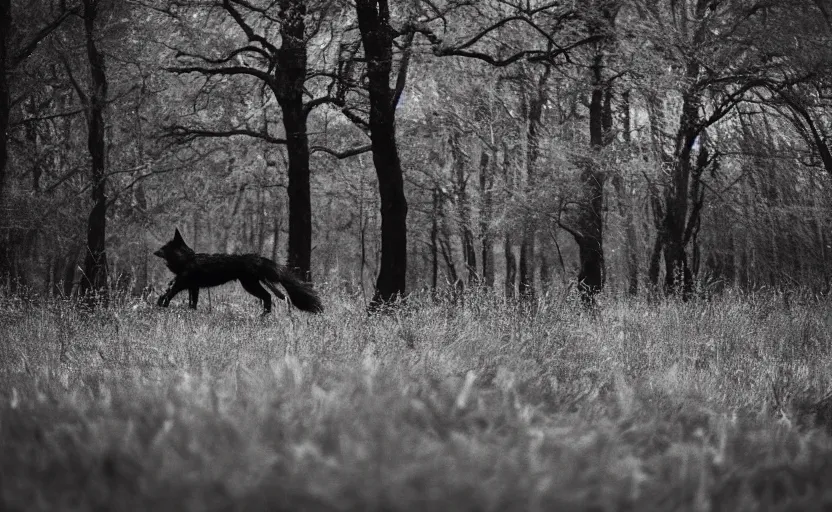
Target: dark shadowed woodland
[(611, 221)]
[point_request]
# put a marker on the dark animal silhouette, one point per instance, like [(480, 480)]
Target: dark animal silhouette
[(199, 270)]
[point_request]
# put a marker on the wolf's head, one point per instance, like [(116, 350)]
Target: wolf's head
[(176, 253)]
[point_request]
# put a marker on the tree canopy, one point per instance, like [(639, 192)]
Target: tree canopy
[(640, 146)]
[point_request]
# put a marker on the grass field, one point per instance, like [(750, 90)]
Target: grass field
[(716, 405)]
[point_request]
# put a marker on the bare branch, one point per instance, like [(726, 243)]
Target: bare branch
[(401, 76), (252, 36), (231, 56), (185, 134), (357, 120), (227, 71), (27, 50), (440, 50), (75, 85), (340, 155)]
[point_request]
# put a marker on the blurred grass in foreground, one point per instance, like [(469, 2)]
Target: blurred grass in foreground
[(717, 405)]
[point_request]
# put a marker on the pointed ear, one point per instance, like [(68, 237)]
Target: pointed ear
[(177, 236)]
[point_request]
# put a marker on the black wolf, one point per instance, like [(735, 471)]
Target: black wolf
[(198, 270)]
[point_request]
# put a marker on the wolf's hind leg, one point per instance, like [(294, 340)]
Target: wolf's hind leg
[(253, 287), (193, 297), (280, 296), (275, 290)]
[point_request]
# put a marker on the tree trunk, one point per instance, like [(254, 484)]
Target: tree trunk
[(655, 262), (526, 265), (229, 242), (261, 220), (289, 78), (511, 267), (510, 282), (487, 197), (545, 269), (300, 202), (276, 233), (655, 114), (469, 254), (68, 273), (592, 273), (625, 209), (362, 235), (54, 288), (535, 115), (445, 238), (450, 266), (625, 206), (678, 277), (377, 39), (434, 241), (95, 260)]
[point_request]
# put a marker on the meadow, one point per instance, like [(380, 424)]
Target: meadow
[(709, 405)]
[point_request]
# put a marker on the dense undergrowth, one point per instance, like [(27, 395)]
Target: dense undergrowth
[(712, 405)]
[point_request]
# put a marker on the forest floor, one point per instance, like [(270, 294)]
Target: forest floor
[(718, 405)]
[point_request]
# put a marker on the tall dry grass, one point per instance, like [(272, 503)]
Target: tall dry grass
[(716, 405)]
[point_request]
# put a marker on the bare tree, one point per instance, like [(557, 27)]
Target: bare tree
[(283, 68), (377, 37), (95, 102)]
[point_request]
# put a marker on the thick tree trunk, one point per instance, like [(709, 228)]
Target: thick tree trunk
[(377, 39), (95, 260), (678, 277), (300, 198), (592, 273), (390, 284), (290, 75)]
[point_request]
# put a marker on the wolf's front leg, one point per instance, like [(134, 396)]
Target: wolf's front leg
[(193, 296), (173, 288)]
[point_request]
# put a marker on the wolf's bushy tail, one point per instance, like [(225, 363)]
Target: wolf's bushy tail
[(301, 293)]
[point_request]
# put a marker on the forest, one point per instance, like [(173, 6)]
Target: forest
[(639, 146), (598, 232)]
